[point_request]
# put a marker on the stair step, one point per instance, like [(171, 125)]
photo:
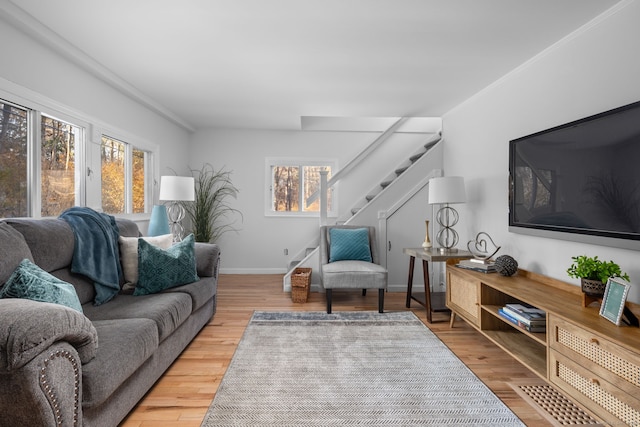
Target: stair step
[(430, 144), (354, 211), (401, 170), (370, 197), (416, 157), (292, 264), (385, 184)]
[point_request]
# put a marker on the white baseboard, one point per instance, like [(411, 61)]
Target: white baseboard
[(253, 270)]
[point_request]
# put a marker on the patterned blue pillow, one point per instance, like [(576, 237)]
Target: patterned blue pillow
[(160, 269), (349, 244), (29, 281)]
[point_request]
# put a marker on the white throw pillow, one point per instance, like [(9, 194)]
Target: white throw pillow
[(129, 255)]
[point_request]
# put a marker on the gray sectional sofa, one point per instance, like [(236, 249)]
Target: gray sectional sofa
[(61, 367)]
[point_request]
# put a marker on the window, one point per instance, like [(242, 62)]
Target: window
[(292, 182), (14, 137), (57, 165), (123, 167), (47, 164)]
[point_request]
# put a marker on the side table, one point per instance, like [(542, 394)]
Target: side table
[(432, 301)]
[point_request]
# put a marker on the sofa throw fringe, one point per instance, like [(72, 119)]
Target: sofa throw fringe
[(96, 253)]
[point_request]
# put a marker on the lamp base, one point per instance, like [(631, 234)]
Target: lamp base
[(447, 250), (176, 213)]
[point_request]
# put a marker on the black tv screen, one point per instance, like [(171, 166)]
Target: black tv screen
[(579, 181)]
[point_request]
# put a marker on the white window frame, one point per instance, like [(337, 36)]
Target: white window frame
[(270, 162)]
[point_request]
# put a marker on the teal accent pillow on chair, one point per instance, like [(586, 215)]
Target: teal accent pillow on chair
[(349, 244), (29, 281), (160, 269)]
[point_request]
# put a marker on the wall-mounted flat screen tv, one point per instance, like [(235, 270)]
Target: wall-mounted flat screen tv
[(579, 181)]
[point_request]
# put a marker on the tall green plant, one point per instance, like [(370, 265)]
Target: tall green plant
[(210, 214)]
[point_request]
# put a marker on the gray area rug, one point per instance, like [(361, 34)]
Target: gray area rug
[(350, 369)]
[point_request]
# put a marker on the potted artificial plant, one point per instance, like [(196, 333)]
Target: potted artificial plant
[(209, 213), (594, 273)]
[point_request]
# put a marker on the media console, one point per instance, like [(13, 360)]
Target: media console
[(592, 360)]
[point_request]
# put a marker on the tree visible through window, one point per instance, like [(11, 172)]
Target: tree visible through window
[(13, 161), (57, 159), (292, 185), (115, 162), (113, 178)]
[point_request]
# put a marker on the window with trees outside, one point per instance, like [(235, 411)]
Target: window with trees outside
[(14, 137), (46, 166), (292, 182), (123, 176), (58, 165)]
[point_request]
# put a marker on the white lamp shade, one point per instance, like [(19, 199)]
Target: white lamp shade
[(180, 188), (447, 189)]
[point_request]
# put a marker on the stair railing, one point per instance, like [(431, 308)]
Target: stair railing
[(322, 192)]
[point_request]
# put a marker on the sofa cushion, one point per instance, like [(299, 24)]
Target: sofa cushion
[(129, 254), (51, 241), (201, 291), (12, 250), (84, 286), (167, 310), (29, 281), (349, 244), (160, 269), (124, 345), (127, 228)]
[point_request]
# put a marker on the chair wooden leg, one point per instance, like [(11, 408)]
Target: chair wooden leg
[(364, 292), (380, 300), (328, 291)]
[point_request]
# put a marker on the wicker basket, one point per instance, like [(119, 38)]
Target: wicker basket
[(300, 284)]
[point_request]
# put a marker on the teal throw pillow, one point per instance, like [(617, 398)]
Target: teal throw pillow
[(349, 244), (160, 269), (29, 281)]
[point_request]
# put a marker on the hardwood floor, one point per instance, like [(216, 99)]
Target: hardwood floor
[(183, 395)]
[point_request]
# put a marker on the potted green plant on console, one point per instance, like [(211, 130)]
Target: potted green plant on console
[(594, 273)]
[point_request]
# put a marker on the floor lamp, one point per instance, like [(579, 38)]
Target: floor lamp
[(176, 189), (445, 191)]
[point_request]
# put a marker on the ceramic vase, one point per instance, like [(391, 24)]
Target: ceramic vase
[(427, 242)]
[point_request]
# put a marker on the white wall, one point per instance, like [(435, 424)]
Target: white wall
[(594, 70), (29, 65), (259, 245)]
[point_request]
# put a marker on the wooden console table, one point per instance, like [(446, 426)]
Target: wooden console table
[(433, 301), (589, 358)]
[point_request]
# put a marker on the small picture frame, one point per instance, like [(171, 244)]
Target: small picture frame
[(614, 299)]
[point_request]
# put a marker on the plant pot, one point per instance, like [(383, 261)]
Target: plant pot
[(594, 288)]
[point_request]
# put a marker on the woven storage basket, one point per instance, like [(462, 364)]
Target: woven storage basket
[(300, 284)]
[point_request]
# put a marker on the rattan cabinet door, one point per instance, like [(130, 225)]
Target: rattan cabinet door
[(463, 296), (595, 371)]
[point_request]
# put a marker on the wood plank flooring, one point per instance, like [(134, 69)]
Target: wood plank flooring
[(183, 395)]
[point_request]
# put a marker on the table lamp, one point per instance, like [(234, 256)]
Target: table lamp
[(177, 189), (445, 191)]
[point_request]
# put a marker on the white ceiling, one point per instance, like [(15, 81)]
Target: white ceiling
[(266, 63)]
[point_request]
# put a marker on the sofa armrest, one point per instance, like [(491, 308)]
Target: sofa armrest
[(45, 392), (28, 328), (207, 259)]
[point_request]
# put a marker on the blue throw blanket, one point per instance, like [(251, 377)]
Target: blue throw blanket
[(96, 253)]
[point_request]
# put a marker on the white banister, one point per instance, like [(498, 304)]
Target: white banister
[(358, 159), (323, 197)]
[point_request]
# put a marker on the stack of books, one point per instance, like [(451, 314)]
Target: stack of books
[(525, 316), (477, 264)]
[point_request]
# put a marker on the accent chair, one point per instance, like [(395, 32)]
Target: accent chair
[(349, 260)]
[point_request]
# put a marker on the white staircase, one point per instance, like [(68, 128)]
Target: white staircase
[(391, 190)]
